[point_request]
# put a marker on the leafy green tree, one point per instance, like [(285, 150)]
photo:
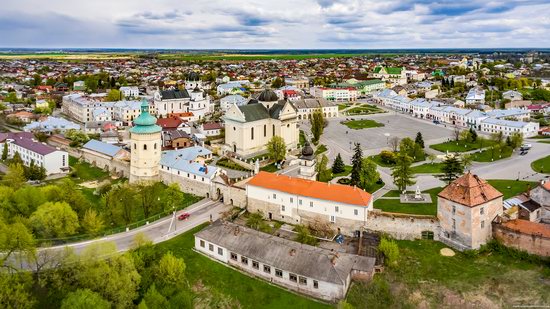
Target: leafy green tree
[(516, 140), (304, 235), (16, 290), (153, 299), (113, 95), (402, 173), (356, 166), (317, 122), (276, 148), (170, 271), (432, 157), (17, 159), (84, 299), (387, 157), (452, 167), (369, 173), (35, 172), (25, 201), (323, 173), (92, 223), (172, 197), (473, 135), (255, 220), (149, 193), (390, 250), (54, 220), (15, 238), (338, 165), (419, 140), (5, 152), (278, 83), (15, 177), (466, 160), (77, 137), (120, 203)]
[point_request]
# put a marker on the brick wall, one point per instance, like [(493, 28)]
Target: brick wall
[(533, 244)]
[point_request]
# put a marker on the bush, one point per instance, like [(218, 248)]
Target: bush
[(387, 157), (390, 250)]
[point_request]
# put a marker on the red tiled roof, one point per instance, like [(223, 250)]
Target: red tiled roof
[(546, 185), (470, 190), (315, 189), (170, 122), (528, 227), (211, 126)]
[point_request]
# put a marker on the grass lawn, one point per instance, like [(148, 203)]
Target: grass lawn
[(246, 291), (393, 205), (346, 172), (510, 188), (85, 171), (342, 106), (362, 124), (302, 138), (424, 278), (541, 165), (225, 162), (461, 146), (320, 149), (488, 155), (365, 109), (269, 168), (378, 160), (544, 142), (427, 168)]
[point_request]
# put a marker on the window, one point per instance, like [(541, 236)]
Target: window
[(310, 204), (265, 130), (454, 210), (299, 202), (282, 207), (155, 146), (355, 212), (292, 277), (278, 273), (251, 133), (332, 219), (267, 269), (211, 247), (273, 130), (274, 195), (291, 200), (201, 243), (454, 224), (482, 224), (144, 146), (255, 265), (336, 209), (135, 146), (481, 211), (244, 260), (220, 251), (303, 280), (233, 256)]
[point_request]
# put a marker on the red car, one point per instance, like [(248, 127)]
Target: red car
[(184, 216)]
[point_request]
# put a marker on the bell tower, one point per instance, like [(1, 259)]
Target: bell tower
[(146, 147)]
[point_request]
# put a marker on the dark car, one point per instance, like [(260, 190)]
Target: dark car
[(184, 216), (436, 122)]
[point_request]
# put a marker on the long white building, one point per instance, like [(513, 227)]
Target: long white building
[(509, 127), (53, 160)]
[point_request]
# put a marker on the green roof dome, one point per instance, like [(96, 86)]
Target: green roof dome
[(145, 123)]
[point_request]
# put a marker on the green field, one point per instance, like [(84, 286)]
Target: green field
[(510, 188), (461, 146), (362, 124), (84, 171), (68, 56), (489, 155), (247, 292), (252, 57), (394, 205), (225, 162), (541, 165), (365, 109), (320, 149), (423, 278), (427, 168)]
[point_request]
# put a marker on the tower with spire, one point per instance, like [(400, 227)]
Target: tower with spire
[(145, 137)]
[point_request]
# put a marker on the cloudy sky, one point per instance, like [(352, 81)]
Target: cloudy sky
[(270, 24)]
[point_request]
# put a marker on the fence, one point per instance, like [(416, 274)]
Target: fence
[(77, 238)]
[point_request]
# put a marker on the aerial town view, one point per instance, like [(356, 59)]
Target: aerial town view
[(290, 154)]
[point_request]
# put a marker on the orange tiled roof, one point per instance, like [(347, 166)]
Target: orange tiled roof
[(546, 185), (470, 190), (528, 227), (315, 189)]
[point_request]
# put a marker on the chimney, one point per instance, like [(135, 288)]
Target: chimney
[(236, 231)]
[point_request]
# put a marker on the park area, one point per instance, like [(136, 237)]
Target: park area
[(541, 165), (362, 124), (462, 145)]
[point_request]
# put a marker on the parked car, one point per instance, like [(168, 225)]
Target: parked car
[(184, 216), (526, 146), (436, 122)]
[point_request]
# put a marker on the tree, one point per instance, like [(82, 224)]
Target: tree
[(5, 152), (452, 167), (278, 83), (84, 299), (153, 299), (172, 197), (92, 222), (369, 174), (15, 177), (35, 172), (473, 135), (497, 138), (113, 95), (356, 166), (419, 140), (170, 271), (120, 203), (401, 172), (149, 193), (15, 290), (466, 160), (255, 220), (276, 148), (516, 140), (16, 158), (394, 143), (323, 173), (25, 201), (77, 137), (456, 133), (387, 157), (15, 238), (317, 122), (432, 157), (338, 165), (390, 250), (304, 235), (54, 220)]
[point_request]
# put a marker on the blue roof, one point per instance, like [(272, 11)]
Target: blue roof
[(183, 160), (101, 147)]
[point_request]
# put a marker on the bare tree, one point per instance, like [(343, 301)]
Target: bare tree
[(456, 133), (394, 143)]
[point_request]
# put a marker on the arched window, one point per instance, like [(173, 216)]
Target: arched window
[(144, 146), (273, 130), (265, 130), (155, 146), (135, 146), (251, 133)]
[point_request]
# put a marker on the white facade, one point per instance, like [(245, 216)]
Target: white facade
[(131, 91), (475, 96), (53, 160), (335, 94), (508, 127)]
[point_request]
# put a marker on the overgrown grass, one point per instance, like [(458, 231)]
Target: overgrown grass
[(84, 171), (541, 165), (362, 124), (394, 205), (247, 291), (225, 162), (462, 146), (495, 277)]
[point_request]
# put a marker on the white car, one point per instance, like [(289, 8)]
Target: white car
[(526, 146)]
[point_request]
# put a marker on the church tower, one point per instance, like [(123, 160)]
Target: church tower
[(145, 146)]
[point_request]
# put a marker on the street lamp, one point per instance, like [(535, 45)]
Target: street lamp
[(387, 135)]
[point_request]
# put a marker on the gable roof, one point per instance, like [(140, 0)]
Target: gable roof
[(101, 147), (470, 190), (315, 189), (34, 146), (301, 259), (253, 112), (174, 94)]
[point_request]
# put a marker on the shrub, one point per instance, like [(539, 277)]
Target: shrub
[(387, 157), (390, 250)]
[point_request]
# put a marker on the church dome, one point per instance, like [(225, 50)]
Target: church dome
[(307, 151), (268, 96), (145, 122), (193, 76)]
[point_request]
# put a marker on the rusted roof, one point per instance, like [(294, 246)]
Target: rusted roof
[(470, 190), (528, 227), (315, 189)]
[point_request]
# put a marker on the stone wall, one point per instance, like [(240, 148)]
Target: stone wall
[(187, 185), (534, 244), (402, 226), (232, 195)]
